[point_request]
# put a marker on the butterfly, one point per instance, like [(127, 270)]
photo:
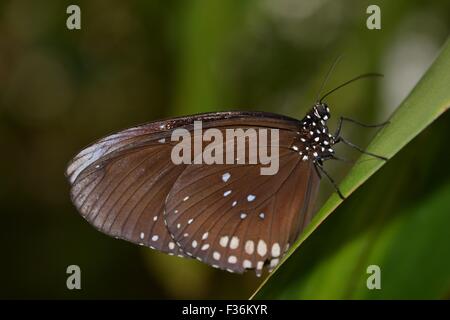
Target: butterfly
[(229, 216)]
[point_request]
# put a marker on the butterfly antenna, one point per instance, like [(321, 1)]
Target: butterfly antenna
[(366, 75), (324, 82)]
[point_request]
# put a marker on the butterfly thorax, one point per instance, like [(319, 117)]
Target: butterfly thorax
[(313, 141)]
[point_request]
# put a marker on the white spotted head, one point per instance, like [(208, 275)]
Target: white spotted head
[(321, 111)]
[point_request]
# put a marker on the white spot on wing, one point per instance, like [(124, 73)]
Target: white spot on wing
[(276, 250), (249, 247), (234, 243), (251, 197), (260, 265), (223, 241), (274, 262), (262, 248), (232, 259), (226, 176)]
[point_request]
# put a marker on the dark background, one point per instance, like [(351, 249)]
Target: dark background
[(138, 61)]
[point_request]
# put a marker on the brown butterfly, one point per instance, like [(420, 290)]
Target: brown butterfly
[(229, 216)]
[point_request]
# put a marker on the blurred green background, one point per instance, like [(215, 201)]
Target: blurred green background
[(138, 61)]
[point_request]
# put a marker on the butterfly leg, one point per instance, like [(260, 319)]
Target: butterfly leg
[(321, 169), (342, 159), (334, 157), (341, 139), (342, 119)]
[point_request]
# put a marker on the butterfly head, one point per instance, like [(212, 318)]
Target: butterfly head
[(321, 111)]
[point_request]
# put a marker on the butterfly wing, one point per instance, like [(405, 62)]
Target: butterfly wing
[(234, 218), (119, 183), (122, 192)]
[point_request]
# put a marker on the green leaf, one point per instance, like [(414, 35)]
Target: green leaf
[(427, 101)]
